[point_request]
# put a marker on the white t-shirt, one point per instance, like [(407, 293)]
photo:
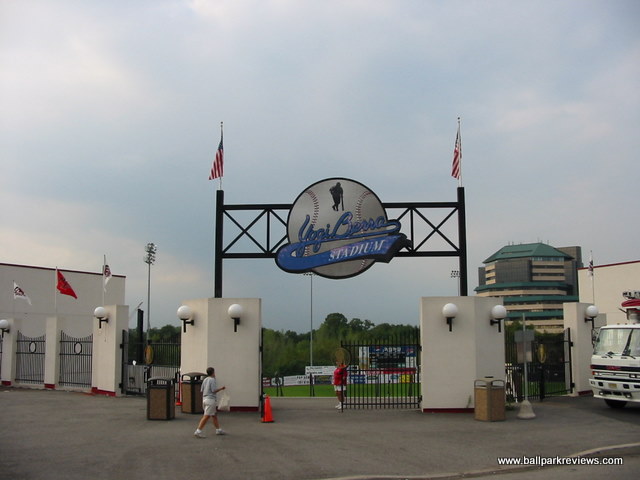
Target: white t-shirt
[(208, 388)]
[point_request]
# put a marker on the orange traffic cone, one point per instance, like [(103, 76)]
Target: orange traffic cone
[(267, 417)]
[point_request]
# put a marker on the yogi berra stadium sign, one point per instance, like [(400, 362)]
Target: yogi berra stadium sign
[(338, 228)]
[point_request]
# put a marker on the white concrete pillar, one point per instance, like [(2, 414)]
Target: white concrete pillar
[(453, 360), (107, 354), (52, 353), (582, 346), (212, 342), (9, 346)]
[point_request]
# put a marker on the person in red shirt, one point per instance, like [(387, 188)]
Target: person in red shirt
[(340, 382)]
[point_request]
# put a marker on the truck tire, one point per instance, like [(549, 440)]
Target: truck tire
[(615, 403)]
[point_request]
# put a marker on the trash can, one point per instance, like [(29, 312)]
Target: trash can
[(161, 399), (191, 396), (489, 399)]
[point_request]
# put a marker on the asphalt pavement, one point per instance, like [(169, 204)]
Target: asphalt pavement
[(68, 435)]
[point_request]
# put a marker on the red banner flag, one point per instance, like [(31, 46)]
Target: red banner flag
[(64, 287)]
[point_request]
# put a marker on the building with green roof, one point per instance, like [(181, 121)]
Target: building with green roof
[(533, 279)]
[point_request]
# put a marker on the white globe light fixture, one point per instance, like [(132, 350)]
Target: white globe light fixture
[(235, 312), (4, 326), (590, 313), (102, 315), (450, 311), (186, 315), (498, 313)]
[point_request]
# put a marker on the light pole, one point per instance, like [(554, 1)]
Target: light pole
[(150, 258), (456, 274), (310, 275)]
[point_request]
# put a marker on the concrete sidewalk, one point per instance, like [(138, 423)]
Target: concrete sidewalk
[(63, 435)]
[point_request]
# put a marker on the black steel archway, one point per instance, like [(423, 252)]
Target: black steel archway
[(273, 225)]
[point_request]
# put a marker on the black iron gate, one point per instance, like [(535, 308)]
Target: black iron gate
[(30, 358), (76, 354), (158, 359), (548, 367), (384, 373)]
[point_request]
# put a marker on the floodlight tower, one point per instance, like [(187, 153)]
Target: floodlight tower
[(150, 258)]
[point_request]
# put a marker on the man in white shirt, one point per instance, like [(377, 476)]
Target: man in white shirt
[(209, 390)]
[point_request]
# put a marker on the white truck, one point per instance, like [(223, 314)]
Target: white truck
[(615, 364)]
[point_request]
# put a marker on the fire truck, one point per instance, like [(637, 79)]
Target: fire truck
[(615, 364)]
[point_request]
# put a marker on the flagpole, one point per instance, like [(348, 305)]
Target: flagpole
[(55, 292), (460, 147), (221, 137), (104, 262), (593, 277)]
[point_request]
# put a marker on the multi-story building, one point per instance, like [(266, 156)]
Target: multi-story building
[(533, 279)]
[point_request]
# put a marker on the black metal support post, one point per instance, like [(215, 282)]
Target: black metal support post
[(217, 281), (140, 345), (462, 242)]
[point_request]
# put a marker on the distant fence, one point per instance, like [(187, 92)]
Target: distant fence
[(30, 356)]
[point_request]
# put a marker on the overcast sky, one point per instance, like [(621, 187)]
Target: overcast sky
[(110, 117)]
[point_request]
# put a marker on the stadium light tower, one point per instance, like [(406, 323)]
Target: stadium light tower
[(150, 258)]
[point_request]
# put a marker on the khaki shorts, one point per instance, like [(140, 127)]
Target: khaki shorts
[(209, 405)]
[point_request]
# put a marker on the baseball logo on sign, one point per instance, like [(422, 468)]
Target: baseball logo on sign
[(338, 228)]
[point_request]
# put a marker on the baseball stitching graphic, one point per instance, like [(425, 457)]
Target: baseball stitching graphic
[(316, 202)]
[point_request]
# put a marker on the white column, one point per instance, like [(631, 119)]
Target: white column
[(452, 360), (107, 354), (582, 347), (52, 353), (212, 342), (9, 352)]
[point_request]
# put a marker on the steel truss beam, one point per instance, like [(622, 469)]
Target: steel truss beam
[(272, 219)]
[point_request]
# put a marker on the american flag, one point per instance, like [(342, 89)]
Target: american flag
[(457, 156), (218, 162), (590, 268)]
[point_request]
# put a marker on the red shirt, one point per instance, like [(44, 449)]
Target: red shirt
[(340, 376)]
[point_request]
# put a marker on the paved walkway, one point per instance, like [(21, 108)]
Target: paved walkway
[(62, 435)]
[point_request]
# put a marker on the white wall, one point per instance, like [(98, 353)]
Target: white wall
[(606, 285), (75, 316), (582, 349), (107, 355), (211, 342), (452, 361)]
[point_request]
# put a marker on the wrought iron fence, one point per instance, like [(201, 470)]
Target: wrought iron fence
[(384, 373), (76, 355), (30, 352), (160, 359), (548, 368)]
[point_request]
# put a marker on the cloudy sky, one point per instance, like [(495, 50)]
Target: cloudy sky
[(110, 117)]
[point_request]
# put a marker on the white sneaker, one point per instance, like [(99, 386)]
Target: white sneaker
[(220, 432), (199, 434), (339, 406)]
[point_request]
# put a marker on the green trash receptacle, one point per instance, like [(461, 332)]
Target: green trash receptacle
[(489, 399), (161, 403), (191, 395)]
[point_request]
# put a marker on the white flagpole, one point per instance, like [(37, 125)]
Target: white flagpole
[(104, 285), (593, 277), (460, 154), (55, 292), (221, 141)]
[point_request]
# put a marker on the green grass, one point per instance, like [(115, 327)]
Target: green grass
[(301, 391), (358, 390)]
